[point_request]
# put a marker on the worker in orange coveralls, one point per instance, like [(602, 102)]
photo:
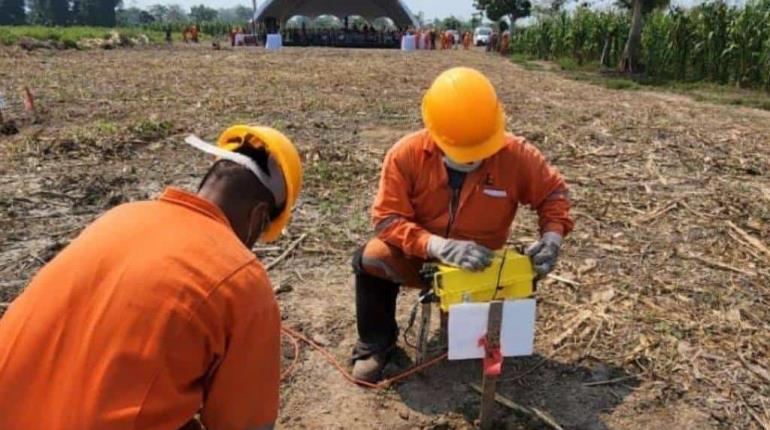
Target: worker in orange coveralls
[(194, 33), (505, 42), (449, 37), (449, 193), (467, 40), (233, 32), (159, 310)]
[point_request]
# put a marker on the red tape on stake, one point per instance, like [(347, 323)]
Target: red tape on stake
[(493, 358)]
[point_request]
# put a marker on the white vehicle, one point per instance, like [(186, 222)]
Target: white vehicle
[(481, 36)]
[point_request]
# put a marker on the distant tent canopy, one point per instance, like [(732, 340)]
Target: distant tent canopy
[(280, 11)]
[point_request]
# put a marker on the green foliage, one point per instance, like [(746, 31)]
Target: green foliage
[(133, 16), (499, 9), (235, 14), (202, 13), (452, 23), (12, 12), (69, 36), (149, 130), (49, 12), (711, 42), (215, 28)]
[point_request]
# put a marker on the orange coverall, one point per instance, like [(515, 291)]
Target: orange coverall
[(505, 42), (156, 312), (414, 201)]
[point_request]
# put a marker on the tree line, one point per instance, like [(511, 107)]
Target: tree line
[(108, 13)]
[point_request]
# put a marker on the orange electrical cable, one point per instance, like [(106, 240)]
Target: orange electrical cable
[(295, 335), (289, 370)]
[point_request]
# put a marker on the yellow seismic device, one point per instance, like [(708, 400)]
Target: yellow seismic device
[(510, 274)]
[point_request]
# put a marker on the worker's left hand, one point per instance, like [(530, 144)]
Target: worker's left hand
[(545, 253)]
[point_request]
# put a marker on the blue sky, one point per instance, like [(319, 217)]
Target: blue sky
[(432, 8)]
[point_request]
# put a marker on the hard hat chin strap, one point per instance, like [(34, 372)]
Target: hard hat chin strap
[(273, 179)]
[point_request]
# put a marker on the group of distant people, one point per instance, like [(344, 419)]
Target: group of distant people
[(436, 39), (429, 39), (234, 32), (499, 43), (190, 34), (348, 36)]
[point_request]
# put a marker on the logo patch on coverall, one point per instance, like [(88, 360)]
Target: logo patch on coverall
[(495, 192)]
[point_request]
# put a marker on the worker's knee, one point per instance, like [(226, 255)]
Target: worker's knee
[(382, 260)]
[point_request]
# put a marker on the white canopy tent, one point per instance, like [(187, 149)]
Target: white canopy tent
[(282, 10)]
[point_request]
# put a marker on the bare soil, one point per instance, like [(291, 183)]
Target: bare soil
[(663, 288)]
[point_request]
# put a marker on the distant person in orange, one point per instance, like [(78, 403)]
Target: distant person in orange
[(467, 40), (450, 193), (194, 33), (233, 32), (505, 41), (159, 310)]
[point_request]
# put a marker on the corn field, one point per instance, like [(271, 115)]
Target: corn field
[(711, 42)]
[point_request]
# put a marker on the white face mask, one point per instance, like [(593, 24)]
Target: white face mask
[(462, 167)]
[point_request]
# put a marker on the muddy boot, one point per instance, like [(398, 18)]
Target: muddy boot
[(370, 369), (376, 323)]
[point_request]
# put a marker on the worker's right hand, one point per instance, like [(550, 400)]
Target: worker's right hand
[(460, 253)]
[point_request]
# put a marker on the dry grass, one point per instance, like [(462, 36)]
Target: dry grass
[(669, 277)]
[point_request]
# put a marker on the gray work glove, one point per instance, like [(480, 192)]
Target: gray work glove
[(544, 253), (460, 253)]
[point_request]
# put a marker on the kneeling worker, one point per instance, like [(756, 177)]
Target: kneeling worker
[(450, 193), (159, 310)]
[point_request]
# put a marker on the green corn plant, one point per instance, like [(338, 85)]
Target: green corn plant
[(710, 42), (655, 44), (680, 40)]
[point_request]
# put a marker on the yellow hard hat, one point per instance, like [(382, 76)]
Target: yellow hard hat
[(464, 116), (280, 148)]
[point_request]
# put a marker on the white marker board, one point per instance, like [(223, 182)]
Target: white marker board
[(468, 323)]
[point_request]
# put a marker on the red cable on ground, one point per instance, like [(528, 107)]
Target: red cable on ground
[(295, 336), (289, 370)]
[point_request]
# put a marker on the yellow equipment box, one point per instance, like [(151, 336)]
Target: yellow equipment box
[(510, 274)]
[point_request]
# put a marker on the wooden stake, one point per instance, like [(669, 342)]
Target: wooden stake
[(523, 410), (489, 382)]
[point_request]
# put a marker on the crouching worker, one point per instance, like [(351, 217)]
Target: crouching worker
[(450, 193), (159, 310)]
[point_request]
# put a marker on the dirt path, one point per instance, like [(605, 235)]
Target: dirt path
[(667, 288)]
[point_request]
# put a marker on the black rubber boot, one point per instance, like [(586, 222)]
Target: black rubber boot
[(375, 315), (377, 328)]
